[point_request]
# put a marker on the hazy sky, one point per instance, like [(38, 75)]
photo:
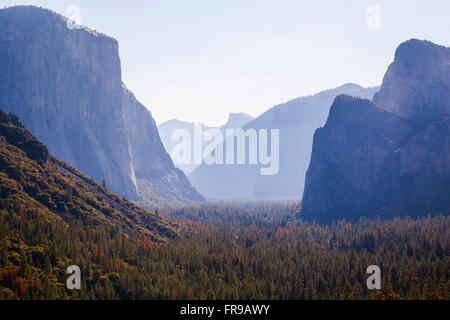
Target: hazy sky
[(200, 60)]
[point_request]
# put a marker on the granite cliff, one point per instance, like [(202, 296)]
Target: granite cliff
[(65, 85), (390, 157)]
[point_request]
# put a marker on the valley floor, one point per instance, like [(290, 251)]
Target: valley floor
[(230, 251)]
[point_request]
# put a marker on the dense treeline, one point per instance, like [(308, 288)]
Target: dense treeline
[(32, 178), (238, 251)]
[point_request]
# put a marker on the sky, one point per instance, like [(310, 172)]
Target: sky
[(199, 60)]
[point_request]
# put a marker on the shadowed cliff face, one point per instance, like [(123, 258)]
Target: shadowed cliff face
[(65, 85), (156, 177), (390, 161)]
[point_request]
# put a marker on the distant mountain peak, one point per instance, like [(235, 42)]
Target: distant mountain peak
[(351, 85), (237, 120), (296, 121)]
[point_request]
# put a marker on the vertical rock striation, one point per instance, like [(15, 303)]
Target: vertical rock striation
[(65, 85)]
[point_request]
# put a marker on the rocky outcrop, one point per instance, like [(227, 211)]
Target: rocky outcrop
[(416, 84), (65, 85), (386, 161)]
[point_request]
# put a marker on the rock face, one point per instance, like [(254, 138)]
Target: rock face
[(416, 84), (65, 85), (296, 120), (388, 161)]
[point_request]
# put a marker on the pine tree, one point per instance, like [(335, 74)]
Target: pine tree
[(430, 291)]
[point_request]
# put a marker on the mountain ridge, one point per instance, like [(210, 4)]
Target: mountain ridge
[(32, 178), (296, 120)]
